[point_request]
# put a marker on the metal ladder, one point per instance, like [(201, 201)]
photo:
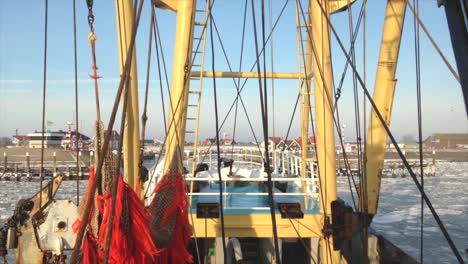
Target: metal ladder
[(200, 17), (302, 27)]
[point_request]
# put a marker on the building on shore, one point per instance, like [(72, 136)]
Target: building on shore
[(447, 141), (57, 139)]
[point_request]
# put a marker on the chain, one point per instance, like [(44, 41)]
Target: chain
[(90, 14)]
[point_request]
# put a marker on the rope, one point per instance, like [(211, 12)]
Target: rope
[(144, 117), (122, 130), (236, 85), (306, 248), (272, 69), (442, 56), (44, 91), (76, 104), (240, 70), (265, 126), (89, 202), (364, 112), (252, 67), (157, 47), (418, 98), (397, 148), (221, 198)]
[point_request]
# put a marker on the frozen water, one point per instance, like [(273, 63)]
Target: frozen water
[(398, 217), (399, 213)]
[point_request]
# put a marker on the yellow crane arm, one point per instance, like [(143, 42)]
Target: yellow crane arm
[(383, 97)]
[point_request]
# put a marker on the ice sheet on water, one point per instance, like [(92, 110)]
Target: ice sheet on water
[(398, 216)]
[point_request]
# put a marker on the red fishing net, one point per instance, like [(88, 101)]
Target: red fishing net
[(170, 227)]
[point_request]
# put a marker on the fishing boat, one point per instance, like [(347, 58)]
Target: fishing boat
[(231, 203)]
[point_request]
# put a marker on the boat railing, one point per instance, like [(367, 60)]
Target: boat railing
[(295, 194)]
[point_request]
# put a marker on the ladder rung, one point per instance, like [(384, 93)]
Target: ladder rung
[(200, 10), (189, 132), (191, 118), (196, 65), (194, 92), (199, 23), (192, 105)]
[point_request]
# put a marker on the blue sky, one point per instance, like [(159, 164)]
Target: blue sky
[(22, 47)]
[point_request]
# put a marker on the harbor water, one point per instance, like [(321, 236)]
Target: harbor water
[(398, 218)]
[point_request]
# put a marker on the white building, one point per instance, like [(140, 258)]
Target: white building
[(51, 139)]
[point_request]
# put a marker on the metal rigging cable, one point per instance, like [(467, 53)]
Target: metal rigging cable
[(394, 142), (44, 91), (263, 106), (252, 67), (105, 145), (78, 169), (240, 69), (221, 198), (119, 149), (418, 99), (157, 40)]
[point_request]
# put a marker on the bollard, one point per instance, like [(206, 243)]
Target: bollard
[(79, 167), (5, 160), (28, 165), (68, 172), (55, 164)]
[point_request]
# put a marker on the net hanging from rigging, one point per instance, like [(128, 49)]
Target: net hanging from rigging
[(132, 242)]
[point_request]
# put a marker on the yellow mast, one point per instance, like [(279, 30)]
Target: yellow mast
[(180, 82), (383, 98), (131, 144), (325, 137)]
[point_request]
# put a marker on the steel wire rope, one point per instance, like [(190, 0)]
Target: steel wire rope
[(235, 84), (324, 88), (357, 127), (364, 112), (187, 71), (44, 91), (306, 248), (221, 198), (104, 148), (356, 95), (75, 57), (253, 66), (351, 50), (319, 67), (144, 116), (302, 51), (394, 142), (170, 99), (431, 39), (263, 105), (312, 122), (418, 99), (338, 92), (240, 69), (335, 119), (115, 181), (270, 22)]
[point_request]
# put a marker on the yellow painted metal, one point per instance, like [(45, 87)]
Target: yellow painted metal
[(258, 225), (335, 6), (303, 29), (383, 98), (180, 84), (268, 75), (198, 92), (325, 141), (131, 144)]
